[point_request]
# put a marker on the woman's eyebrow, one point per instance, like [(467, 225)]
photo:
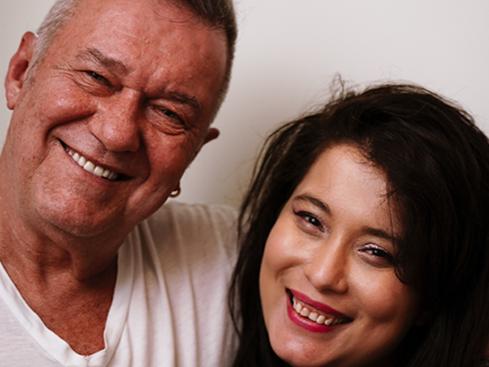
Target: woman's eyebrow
[(377, 232), (314, 201)]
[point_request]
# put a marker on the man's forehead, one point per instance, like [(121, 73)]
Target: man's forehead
[(142, 22), (144, 50), (178, 10), (132, 19)]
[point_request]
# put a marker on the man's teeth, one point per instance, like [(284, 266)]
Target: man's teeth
[(315, 316), (91, 167)]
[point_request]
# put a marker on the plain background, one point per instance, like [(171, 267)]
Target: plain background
[(288, 53)]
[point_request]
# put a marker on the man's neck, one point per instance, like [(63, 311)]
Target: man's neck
[(40, 253), (74, 280)]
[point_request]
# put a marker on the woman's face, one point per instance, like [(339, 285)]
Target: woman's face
[(328, 288)]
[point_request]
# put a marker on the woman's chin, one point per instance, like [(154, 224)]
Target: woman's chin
[(299, 354)]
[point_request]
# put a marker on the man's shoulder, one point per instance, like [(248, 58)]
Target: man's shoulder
[(195, 211), (185, 231), (193, 217)]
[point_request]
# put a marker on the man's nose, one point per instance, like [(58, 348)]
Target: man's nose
[(328, 267), (116, 124)]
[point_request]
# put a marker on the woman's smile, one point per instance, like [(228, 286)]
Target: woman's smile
[(329, 290), (313, 315)]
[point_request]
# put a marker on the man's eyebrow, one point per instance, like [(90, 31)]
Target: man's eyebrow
[(314, 201), (183, 99), (95, 55)]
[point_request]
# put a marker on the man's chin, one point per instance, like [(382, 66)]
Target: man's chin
[(81, 224)]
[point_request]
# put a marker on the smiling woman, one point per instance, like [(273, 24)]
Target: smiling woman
[(364, 240), (328, 286)]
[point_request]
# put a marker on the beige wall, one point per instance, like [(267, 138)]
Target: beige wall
[(288, 52)]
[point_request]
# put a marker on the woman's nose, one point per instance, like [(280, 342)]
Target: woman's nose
[(328, 267)]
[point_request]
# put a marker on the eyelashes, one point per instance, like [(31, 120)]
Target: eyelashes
[(171, 115), (377, 254), (371, 252), (309, 220), (97, 77)]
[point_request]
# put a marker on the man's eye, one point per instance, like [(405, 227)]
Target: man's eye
[(97, 77), (172, 115)]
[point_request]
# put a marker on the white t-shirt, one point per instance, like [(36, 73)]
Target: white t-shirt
[(169, 306)]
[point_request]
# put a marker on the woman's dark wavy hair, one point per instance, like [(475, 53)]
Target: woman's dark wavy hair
[(437, 165)]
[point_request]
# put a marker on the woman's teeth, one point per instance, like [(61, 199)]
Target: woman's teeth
[(318, 318), (91, 167)]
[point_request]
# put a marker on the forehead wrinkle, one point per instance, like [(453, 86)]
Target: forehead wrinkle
[(94, 55)]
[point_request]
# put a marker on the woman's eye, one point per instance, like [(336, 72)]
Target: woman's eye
[(310, 219), (378, 253)]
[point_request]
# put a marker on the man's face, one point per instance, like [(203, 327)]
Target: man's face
[(114, 112)]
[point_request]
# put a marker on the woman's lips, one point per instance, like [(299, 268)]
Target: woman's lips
[(312, 315), (322, 307)]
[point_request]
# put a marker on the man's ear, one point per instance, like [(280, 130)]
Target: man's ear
[(212, 134), (18, 67)]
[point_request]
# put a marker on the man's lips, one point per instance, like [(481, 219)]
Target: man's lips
[(93, 167)]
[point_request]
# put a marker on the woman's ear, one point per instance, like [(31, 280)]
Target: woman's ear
[(18, 68)]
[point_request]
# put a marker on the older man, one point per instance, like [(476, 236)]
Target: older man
[(111, 102)]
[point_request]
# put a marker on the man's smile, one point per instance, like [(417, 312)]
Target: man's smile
[(92, 167)]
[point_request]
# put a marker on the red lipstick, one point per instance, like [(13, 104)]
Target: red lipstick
[(308, 324), (324, 308)]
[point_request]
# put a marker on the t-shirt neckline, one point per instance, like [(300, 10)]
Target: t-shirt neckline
[(55, 347)]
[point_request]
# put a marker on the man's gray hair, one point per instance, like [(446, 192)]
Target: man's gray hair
[(217, 13), (59, 13)]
